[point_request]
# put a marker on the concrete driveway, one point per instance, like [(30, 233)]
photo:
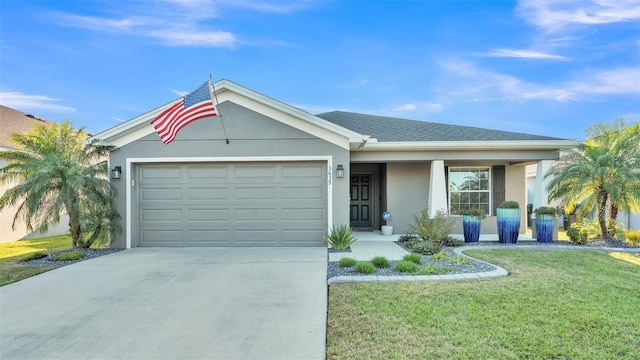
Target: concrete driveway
[(174, 303)]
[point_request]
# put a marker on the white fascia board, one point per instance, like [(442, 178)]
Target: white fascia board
[(470, 145)]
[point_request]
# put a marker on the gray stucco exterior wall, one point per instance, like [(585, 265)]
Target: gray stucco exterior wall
[(251, 134), (407, 192)]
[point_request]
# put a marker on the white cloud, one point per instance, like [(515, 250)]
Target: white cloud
[(617, 81), (179, 92), (553, 16), (18, 100), (523, 54), (195, 38), (405, 107)]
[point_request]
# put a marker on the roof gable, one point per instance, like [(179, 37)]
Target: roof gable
[(140, 126)]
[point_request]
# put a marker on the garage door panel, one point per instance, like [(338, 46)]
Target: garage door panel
[(302, 214), (217, 237), (161, 194), (207, 193), (245, 192), (161, 172), (161, 236), (247, 171), (161, 215), (232, 204), (209, 215), (302, 192)]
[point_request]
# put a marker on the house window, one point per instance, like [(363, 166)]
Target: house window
[(470, 188)]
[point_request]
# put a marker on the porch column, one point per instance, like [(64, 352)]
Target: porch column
[(437, 188), (541, 194)]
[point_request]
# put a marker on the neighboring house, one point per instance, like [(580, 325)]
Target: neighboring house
[(11, 121), (287, 176)]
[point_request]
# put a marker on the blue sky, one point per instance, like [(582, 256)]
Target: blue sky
[(539, 67)]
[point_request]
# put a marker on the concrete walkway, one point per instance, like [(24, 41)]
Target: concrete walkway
[(172, 303), (365, 250)]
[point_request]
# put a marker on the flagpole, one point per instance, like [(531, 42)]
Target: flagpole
[(215, 96)]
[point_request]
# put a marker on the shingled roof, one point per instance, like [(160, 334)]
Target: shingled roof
[(12, 120), (392, 129)]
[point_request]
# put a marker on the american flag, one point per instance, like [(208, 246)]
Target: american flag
[(194, 106)]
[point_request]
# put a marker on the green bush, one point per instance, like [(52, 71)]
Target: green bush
[(427, 228), (340, 237), (346, 262), (546, 210), (406, 266), (364, 268), (74, 255), (35, 256), (431, 269), (509, 205), (633, 237), (441, 256), (578, 234), (380, 262), (406, 238), (424, 247), (413, 257), (453, 242), (475, 212)]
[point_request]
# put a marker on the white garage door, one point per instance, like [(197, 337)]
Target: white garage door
[(232, 204)]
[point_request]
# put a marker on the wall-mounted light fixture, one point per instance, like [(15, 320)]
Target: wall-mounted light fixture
[(340, 171), (116, 172)]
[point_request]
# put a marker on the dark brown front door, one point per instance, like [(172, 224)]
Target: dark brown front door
[(361, 191)]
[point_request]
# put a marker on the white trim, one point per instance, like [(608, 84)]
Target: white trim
[(140, 126), (470, 145), (131, 161)]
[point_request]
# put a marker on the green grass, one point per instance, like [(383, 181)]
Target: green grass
[(554, 305), (74, 255), (12, 252)]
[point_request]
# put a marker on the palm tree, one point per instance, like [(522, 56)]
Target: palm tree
[(57, 173), (603, 171)]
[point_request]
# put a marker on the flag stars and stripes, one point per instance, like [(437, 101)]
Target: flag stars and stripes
[(194, 106)]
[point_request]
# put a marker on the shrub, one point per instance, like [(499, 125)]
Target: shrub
[(413, 257), (406, 238), (476, 213), (406, 266), (633, 237), (578, 234), (340, 237), (424, 247), (34, 256), (380, 262), (441, 256), (462, 260), (364, 268), (346, 262), (74, 255), (509, 205), (431, 269), (546, 210), (436, 229), (453, 242)]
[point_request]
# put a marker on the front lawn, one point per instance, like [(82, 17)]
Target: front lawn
[(553, 305), (11, 253)]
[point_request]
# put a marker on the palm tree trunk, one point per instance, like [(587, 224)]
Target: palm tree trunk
[(613, 215), (602, 216)]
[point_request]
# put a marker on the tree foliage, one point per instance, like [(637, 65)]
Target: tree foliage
[(603, 172), (58, 172)]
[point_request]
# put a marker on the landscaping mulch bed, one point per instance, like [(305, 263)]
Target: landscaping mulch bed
[(89, 254)]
